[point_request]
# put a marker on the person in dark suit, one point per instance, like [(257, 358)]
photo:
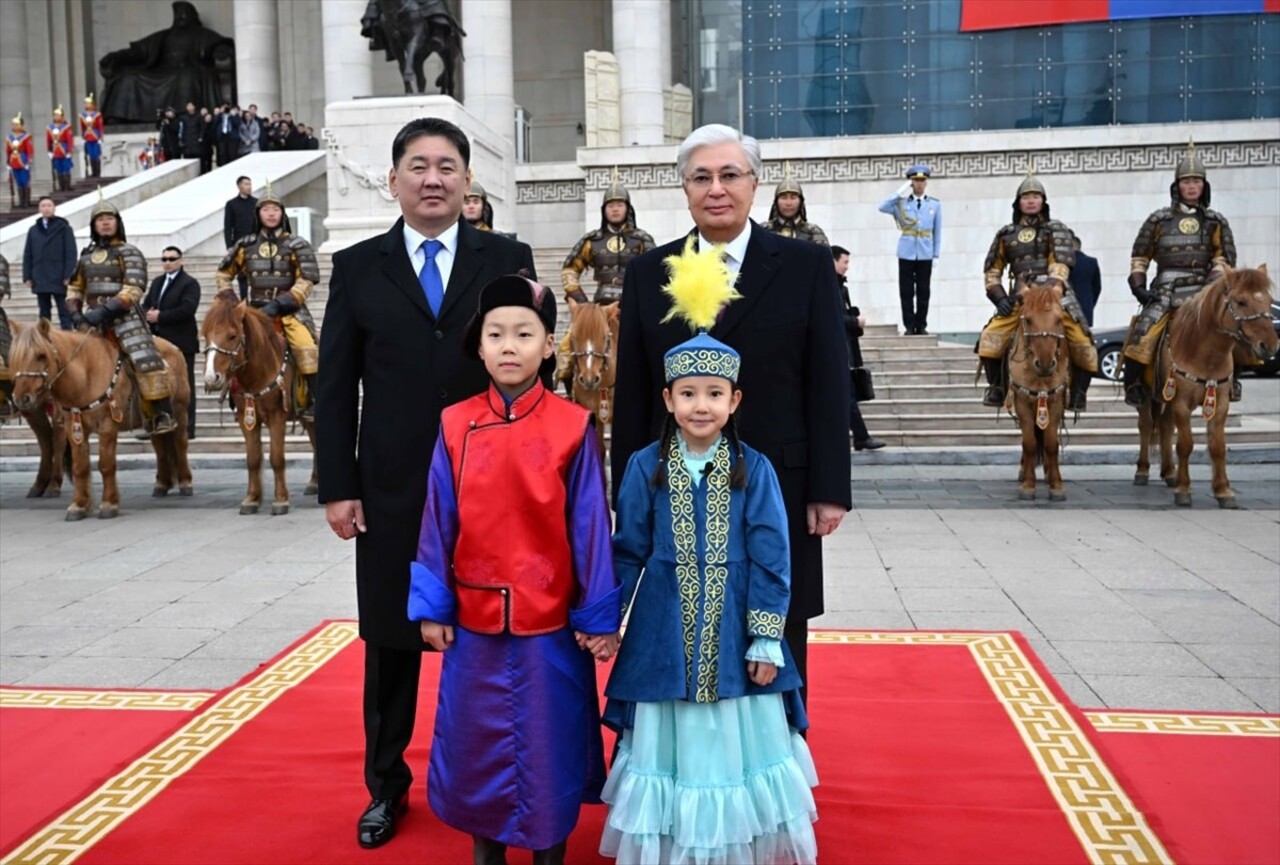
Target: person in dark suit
[(1086, 282), (228, 134), (239, 219), (170, 309), (49, 260), (853, 328), (788, 328), (398, 306)]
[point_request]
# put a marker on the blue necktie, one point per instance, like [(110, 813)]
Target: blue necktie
[(429, 276)]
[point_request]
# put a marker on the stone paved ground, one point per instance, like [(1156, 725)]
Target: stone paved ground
[(1130, 602)]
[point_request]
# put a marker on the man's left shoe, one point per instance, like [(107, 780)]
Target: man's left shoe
[(377, 824), (1237, 392), (868, 445)]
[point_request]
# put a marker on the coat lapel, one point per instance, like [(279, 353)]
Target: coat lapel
[(399, 269), (759, 267), (468, 262)]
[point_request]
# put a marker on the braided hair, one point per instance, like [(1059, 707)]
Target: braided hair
[(737, 479), (659, 478)]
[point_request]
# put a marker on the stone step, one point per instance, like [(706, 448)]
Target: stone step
[(1008, 435), (887, 357), (977, 416), (216, 443)]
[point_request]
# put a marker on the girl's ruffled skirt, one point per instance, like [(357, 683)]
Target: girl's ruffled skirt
[(720, 783)]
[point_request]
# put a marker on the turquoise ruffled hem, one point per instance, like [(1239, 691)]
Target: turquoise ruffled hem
[(711, 784)]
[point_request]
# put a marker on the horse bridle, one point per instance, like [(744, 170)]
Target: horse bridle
[(1058, 335), (1238, 333), (238, 352), (47, 386), (590, 353)]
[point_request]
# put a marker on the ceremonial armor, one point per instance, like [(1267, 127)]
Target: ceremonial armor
[(59, 141), (797, 226), (606, 251), (18, 153), (1186, 243), (91, 132)]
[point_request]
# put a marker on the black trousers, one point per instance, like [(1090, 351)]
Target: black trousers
[(46, 300), (857, 425), (244, 286), (796, 633), (191, 390), (913, 285), (390, 707)]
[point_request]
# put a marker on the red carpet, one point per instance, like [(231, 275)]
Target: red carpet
[(1212, 782), (57, 745), (931, 747)]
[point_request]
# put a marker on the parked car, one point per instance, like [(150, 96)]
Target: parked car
[(1110, 345)]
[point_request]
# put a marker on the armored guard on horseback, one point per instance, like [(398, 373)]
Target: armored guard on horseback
[(282, 271), (1034, 248), (788, 216), (106, 292), (606, 250), (1191, 245)]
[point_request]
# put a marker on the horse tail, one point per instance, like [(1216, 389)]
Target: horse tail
[(1039, 446)]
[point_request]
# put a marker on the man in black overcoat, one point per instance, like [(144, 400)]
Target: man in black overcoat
[(240, 219), (170, 309), (788, 327), (380, 331)]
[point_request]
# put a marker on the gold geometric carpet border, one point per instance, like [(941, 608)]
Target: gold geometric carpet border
[(1256, 726), (156, 701), (69, 836), (1098, 810)]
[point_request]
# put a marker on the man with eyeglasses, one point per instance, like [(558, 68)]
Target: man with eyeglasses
[(170, 310), (788, 326)]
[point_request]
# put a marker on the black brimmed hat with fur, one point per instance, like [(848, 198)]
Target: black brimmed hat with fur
[(512, 290)]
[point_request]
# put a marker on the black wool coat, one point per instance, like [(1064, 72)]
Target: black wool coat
[(789, 329), (238, 218), (177, 319), (49, 256), (379, 332)]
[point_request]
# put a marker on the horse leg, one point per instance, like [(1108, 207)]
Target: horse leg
[(107, 438), (1052, 466), (1165, 421), (313, 485), (280, 503), (1217, 435), (253, 457), (180, 465), (1186, 442), (1030, 447), (1146, 425), (81, 499), (164, 468), (39, 423), (60, 458)]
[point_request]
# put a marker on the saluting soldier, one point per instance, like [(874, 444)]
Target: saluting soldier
[(282, 270), (1038, 248), (106, 289), (91, 132), (606, 250), (60, 140), (788, 216), (919, 219), (1191, 245), (476, 208), (18, 153)]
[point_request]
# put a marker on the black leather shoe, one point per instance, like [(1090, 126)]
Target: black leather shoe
[(1077, 401), (377, 824), (868, 445), (994, 396)]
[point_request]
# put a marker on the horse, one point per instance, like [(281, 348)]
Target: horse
[(1193, 367), (84, 374), (51, 435), (410, 31), (1039, 370), (593, 343), (245, 355)]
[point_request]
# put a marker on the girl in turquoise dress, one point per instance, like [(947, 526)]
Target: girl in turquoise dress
[(710, 766)]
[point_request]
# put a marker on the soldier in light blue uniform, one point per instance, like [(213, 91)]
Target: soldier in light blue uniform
[(919, 218)]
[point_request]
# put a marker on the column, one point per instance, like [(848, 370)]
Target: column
[(348, 62), (637, 43), (489, 85), (15, 79), (258, 55), (664, 45)]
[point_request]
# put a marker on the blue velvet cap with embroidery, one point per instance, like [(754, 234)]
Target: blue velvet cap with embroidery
[(701, 286)]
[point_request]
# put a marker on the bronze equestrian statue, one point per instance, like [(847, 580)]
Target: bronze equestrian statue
[(409, 31)]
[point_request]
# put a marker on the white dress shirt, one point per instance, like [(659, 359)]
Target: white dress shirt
[(444, 258), (735, 250)]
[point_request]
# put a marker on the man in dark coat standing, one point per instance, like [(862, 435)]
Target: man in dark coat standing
[(48, 261), (387, 327), (789, 328), (239, 220), (228, 134), (170, 309), (1086, 282)]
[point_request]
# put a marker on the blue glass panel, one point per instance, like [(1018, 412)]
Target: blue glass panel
[(1222, 105), (942, 117), (1268, 103), (1010, 114)]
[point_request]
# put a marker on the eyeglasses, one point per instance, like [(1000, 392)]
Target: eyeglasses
[(169, 258), (727, 178)]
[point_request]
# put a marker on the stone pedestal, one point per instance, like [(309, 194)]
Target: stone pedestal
[(358, 136)]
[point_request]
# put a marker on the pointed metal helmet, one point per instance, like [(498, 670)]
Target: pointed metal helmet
[(789, 183), (474, 188), (103, 206), (1190, 165), (616, 191), (269, 197), (1031, 183)]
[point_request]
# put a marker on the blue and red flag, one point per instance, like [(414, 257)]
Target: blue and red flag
[(1007, 14)]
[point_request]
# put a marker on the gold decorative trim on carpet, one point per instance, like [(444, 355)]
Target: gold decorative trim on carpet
[(1187, 725), (156, 701), (71, 835), (1098, 810)]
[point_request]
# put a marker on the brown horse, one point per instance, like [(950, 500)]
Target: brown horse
[(245, 354), (1039, 370), (593, 342), (1193, 367), (51, 435), (84, 373)]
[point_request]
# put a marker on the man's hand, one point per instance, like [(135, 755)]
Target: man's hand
[(823, 518), (346, 518), (270, 309), (153, 315), (1004, 305), (601, 646), (762, 672), (862, 321), (436, 635), (95, 316), (29, 284)]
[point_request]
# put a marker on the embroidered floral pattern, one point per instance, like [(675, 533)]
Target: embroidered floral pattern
[(684, 531), (762, 623), (702, 361)]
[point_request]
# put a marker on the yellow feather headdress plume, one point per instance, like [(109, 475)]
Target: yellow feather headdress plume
[(701, 285)]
